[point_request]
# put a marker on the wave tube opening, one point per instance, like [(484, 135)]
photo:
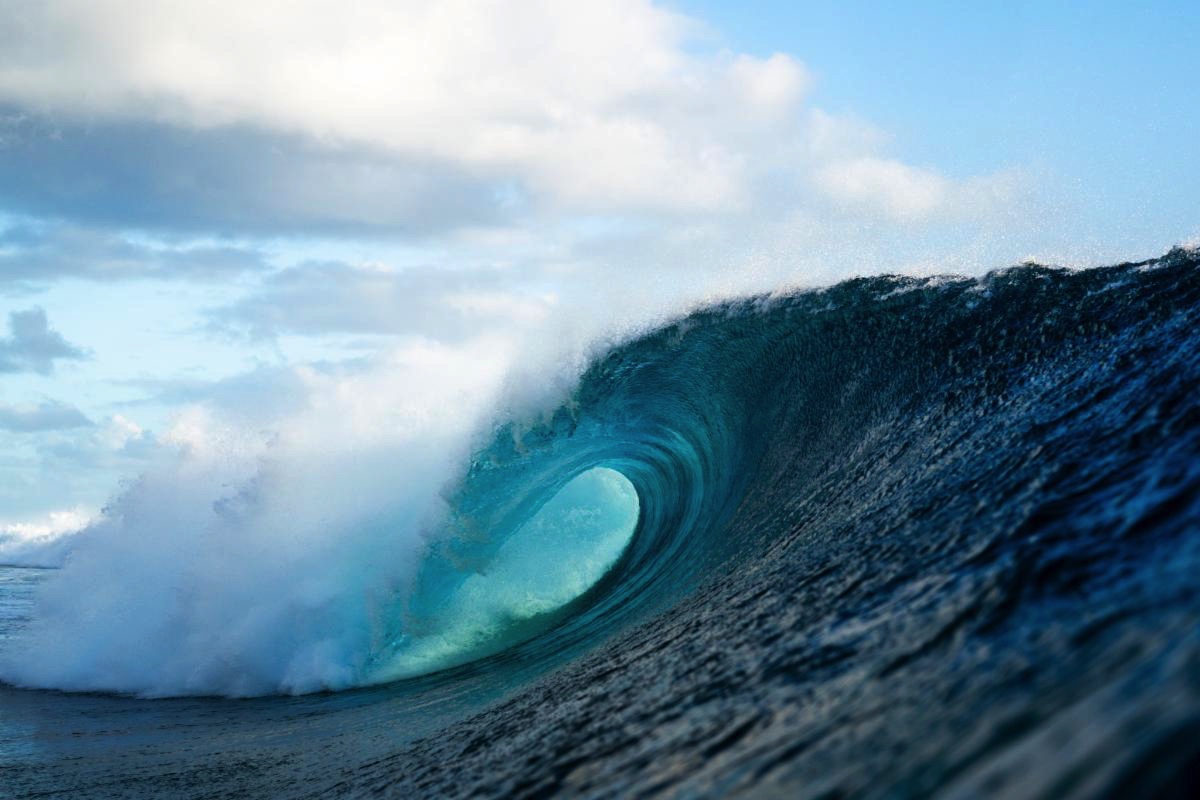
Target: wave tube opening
[(461, 613)]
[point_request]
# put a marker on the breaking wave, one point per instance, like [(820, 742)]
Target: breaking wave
[(882, 472)]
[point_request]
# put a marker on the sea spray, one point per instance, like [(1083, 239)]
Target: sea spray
[(296, 557), (264, 559)]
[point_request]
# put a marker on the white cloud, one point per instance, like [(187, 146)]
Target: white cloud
[(122, 434), (832, 137), (774, 84), (48, 460), (54, 523), (595, 106), (506, 305), (906, 194), (897, 189), (543, 89)]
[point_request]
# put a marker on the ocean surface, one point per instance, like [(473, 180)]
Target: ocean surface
[(895, 538)]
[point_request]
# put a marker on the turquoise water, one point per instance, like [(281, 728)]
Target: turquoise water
[(550, 560)]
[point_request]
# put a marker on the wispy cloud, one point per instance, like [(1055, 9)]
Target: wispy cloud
[(36, 254), (33, 346), (44, 466), (236, 181), (48, 415), (339, 298)]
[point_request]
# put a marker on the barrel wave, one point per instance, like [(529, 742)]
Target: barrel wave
[(901, 536), (956, 522)]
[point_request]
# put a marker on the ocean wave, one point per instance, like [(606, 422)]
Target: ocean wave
[(904, 464)]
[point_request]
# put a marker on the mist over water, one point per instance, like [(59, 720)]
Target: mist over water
[(323, 548), (263, 562)]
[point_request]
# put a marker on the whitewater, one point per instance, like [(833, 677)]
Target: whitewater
[(746, 549)]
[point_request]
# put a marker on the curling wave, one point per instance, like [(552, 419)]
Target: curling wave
[(889, 472), (898, 537)]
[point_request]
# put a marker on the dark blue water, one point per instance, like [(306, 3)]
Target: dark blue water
[(898, 538)]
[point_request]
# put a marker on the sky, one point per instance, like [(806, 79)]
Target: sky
[(219, 218)]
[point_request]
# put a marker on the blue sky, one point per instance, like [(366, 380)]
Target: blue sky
[(1100, 95), (222, 215)]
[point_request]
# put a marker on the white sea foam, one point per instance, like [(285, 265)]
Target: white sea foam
[(44, 542), (262, 562)]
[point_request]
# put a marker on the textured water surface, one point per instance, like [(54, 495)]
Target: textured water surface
[(897, 538)]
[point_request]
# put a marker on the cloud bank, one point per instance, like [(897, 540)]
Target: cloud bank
[(416, 118)]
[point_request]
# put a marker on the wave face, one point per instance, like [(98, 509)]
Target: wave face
[(893, 536)]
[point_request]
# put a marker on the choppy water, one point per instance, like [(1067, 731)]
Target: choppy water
[(897, 538)]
